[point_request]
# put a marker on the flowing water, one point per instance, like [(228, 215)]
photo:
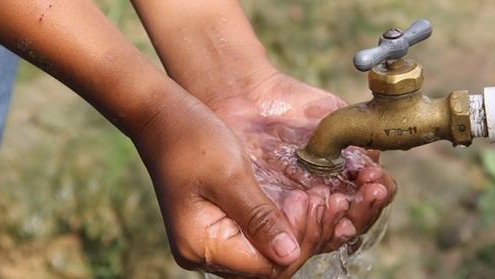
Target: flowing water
[(277, 170), (345, 263), (271, 143)]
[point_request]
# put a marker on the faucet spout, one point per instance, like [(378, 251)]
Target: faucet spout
[(388, 123), (399, 116)]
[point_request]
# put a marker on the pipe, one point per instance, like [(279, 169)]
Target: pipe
[(399, 123), (482, 114)]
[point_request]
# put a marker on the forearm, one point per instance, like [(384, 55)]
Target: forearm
[(74, 42), (207, 46)]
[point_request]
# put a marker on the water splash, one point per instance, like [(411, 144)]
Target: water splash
[(278, 170), (345, 263), (279, 167), (271, 146)]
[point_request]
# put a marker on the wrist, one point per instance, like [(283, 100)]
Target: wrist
[(136, 101), (161, 114), (171, 123), (231, 72), (208, 47), (219, 65)]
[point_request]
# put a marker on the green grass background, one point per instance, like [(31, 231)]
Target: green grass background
[(76, 202)]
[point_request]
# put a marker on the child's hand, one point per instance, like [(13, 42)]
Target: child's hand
[(210, 49), (217, 217), (275, 119)]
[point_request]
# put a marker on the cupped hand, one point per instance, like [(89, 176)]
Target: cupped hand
[(275, 118), (217, 217), (208, 180)]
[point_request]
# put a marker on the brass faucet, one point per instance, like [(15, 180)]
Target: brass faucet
[(399, 116)]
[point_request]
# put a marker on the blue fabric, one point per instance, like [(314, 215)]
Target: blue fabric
[(8, 70)]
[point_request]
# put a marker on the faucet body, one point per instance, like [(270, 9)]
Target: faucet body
[(388, 123), (399, 116)]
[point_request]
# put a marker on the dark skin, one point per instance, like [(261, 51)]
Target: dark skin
[(186, 129)]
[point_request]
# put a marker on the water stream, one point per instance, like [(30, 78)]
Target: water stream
[(344, 263), (271, 145), (278, 172)]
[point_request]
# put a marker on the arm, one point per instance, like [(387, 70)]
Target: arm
[(73, 41), (207, 46), (172, 131)]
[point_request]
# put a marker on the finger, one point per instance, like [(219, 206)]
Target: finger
[(337, 206), (203, 237), (376, 174), (228, 251), (366, 205), (316, 212), (241, 198), (374, 155), (356, 160), (344, 231), (312, 235), (295, 208), (369, 174), (391, 186)]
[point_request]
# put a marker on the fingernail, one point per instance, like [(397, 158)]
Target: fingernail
[(374, 174), (284, 245), (338, 217), (380, 193), (320, 210), (348, 229), (341, 202)]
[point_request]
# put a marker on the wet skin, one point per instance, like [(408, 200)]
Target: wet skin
[(210, 49), (217, 216), (281, 114), (198, 166)]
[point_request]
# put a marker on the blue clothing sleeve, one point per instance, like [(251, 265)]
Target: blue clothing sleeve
[(8, 70)]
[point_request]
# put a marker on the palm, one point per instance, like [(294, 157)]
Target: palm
[(272, 122)]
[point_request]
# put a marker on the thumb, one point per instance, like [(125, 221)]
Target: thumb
[(241, 198)]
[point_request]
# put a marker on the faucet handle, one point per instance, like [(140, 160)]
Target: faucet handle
[(393, 44)]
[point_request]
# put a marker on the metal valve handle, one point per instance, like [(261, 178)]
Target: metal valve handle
[(393, 44)]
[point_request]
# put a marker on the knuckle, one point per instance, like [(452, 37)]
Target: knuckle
[(263, 219), (225, 178), (186, 257), (233, 174)]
